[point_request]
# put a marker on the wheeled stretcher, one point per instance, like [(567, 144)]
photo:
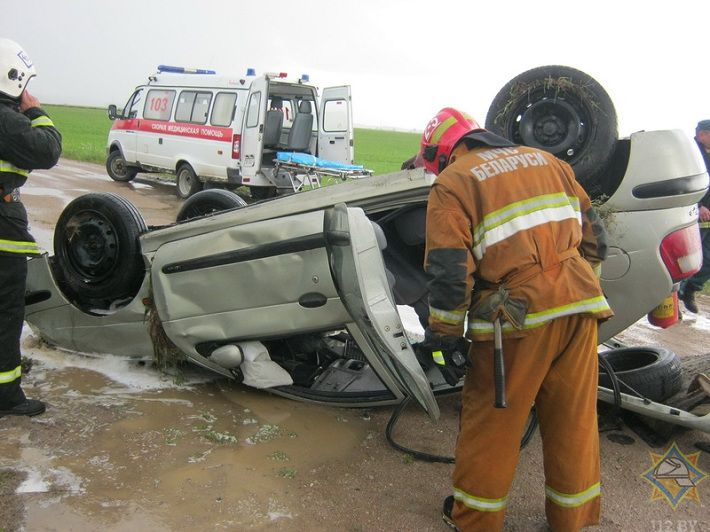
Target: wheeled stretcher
[(301, 169)]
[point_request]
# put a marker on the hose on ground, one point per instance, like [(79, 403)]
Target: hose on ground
[(604, 363), (428, 457)]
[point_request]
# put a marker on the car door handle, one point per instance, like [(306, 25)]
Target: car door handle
[(312, 300)]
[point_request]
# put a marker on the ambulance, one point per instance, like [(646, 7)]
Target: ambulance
[(228, 131)]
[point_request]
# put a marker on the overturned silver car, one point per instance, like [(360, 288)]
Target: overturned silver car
[(300, 294)]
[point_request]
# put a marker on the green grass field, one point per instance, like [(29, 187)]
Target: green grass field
[(85, 130)]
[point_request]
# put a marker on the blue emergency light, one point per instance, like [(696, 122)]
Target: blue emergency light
[(305, 77), (251, 72), (183, 70)]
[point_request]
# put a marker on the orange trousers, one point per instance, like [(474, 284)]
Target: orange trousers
[(555, 367)]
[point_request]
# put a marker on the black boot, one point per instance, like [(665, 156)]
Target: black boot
[(29, 407), (688, 298)]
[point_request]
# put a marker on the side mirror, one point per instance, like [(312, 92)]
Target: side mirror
[(112, 113)]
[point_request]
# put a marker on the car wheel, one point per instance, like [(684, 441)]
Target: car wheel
[(97, 259), (209, 202), (560, 110), (187, 182), (261, 193), (654, 372), (117, 169)]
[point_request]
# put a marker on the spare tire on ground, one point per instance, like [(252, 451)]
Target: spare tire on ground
[(561, 110), (654, 372)]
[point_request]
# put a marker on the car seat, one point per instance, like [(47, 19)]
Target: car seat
[(299, 137), (274, 123)]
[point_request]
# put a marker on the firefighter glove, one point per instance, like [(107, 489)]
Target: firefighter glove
[(449, 353)]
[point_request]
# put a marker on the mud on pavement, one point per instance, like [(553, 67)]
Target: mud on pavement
[(124, 447)]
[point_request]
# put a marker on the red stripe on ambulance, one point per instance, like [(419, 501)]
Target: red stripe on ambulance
[(178, 129)]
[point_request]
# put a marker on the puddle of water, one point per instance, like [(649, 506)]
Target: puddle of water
[(48, 192), (115, 450)]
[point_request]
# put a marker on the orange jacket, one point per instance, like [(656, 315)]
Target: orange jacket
[(514, 216)]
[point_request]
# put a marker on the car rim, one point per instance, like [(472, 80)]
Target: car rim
[(118, 167), (185, 182), (552, 124), (92, 246)]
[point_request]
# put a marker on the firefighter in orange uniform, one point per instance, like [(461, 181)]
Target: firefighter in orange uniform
[(511, 222)]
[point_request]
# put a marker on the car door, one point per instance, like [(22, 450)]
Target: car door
[(126, 127), (253, 130), (335, 129), (154, 127), (219, 281), (359, 271)]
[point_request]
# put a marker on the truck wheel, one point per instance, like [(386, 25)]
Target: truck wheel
[(97, 258), (654, 372), (187, 181), (560, 110), (117, 169), (209, 202), (261, 193)]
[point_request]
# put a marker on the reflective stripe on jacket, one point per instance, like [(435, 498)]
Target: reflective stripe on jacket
[(9, 168), (496, 213), (20, 247)]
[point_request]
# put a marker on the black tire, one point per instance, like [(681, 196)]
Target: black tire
[(261, 193), (560, 110), (187, 181), (117, 169), (209, 202), (654, 372), (97, 256)]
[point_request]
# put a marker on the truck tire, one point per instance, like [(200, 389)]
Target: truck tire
[(97, 258), (561, 110), (654, 372), (187, 181), (117, 169), (209, 202)]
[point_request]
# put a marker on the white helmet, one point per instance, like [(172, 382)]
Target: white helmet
[(16, 68)]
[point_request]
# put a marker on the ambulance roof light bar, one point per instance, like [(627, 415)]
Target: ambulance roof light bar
[(276, 74), (183, 70)]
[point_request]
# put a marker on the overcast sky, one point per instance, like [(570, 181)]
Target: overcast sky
[(404, 59)]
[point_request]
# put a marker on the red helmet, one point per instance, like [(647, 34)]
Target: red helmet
[(441, 136)]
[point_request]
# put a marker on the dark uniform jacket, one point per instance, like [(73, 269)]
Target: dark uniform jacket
[(28, 141)]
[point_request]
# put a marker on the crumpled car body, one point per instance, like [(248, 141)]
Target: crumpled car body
[(312, 282)]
